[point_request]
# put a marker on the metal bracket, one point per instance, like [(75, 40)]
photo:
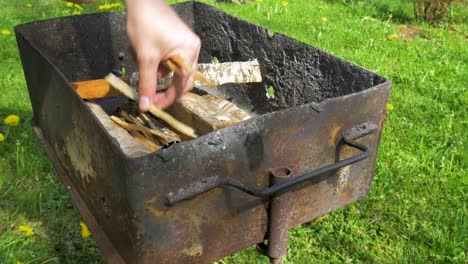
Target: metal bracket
[(194, 189)]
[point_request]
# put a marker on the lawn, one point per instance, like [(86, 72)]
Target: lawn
[(416, 210)]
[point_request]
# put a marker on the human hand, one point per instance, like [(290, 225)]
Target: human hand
[(157, 34)]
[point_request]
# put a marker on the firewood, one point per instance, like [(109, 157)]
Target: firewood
[(199, 77), (167, 136), (150, 144), (164, 135), (133, 127), (94, 89), (131, 93), (228, 107), (146, 134), (200, 113), (231, 72), (127, 143), (209, 75)]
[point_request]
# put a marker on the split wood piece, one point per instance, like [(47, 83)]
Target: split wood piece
[(228, 107), (136, 122), (151, 145), (164, 135), (94, 89), (131, 93), (129, 126), (231, 72), (132, 128), (167, 137), (198, 77), (200, 113), (128, 144)]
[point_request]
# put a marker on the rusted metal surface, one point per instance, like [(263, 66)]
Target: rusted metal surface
[(317, 98), (280, 209), (194, 189)]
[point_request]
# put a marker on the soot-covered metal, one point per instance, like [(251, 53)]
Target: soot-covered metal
[(174, 205)]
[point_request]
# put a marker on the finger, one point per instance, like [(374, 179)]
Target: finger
[(166, 98), (148, 67), (187, 82), (181, 80), (191, 81)]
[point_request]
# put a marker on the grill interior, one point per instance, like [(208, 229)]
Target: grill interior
[(298, 73)]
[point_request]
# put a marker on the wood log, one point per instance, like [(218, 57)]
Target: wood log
[(94, 89), (227, 107), (128, 144), (200, 114), (197, 76), (231, 72)]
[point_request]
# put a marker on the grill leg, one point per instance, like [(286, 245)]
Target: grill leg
[(280, 208)]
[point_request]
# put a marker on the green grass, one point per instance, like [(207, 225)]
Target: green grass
[(417, 207)]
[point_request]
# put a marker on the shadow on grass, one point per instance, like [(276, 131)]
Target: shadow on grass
[(398, 11)]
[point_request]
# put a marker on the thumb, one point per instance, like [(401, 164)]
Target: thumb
[(148, 67)]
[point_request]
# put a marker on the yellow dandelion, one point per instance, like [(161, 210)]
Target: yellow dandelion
[(29, 5), (12, 120), (70, 4), (2, 137), (259, 1), (76, 13), (84, 230), (390, 107), (393, 37), (26, 229), (66, 12), (115, 5), (324, 19), (321, 7), (6, 32), (77, 6), (105, 7), (19, 262), (285, 4)]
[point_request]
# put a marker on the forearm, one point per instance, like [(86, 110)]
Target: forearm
[(157, 8)]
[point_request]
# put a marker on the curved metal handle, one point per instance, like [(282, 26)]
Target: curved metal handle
[(194, 189)]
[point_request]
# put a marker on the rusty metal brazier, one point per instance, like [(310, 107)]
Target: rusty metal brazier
[(308, 151)]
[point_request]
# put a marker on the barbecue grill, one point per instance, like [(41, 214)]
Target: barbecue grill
[(308, 150)]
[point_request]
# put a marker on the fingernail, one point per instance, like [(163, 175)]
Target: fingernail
[(144, 103)]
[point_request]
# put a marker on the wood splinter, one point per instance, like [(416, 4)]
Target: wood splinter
[(167, 137), (125, 89), (151, 145)]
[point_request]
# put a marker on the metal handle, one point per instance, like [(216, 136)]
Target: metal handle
[(194, 189)]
